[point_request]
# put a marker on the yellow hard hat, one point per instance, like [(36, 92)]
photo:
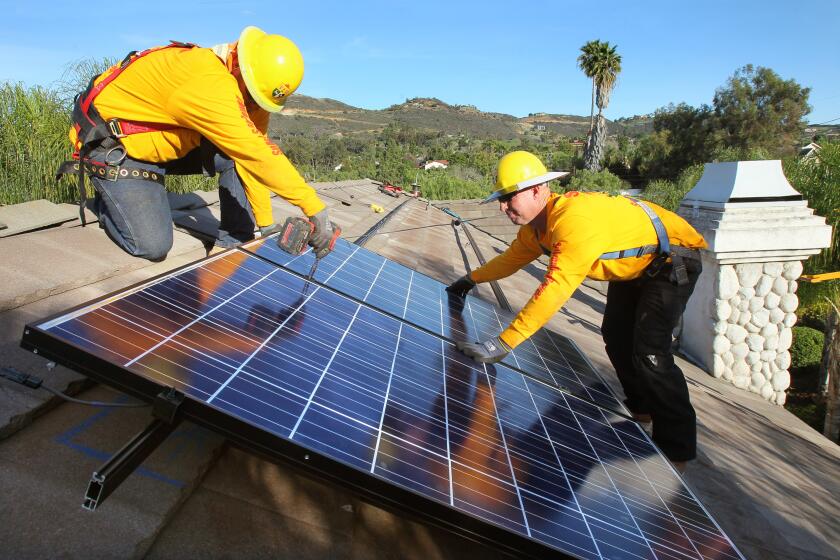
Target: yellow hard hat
[(519, 170), (271, 66)]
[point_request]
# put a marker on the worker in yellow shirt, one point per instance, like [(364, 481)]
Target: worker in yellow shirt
[(182, 109), (649, 255)]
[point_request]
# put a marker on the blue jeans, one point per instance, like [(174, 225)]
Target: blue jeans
[(135, 213)]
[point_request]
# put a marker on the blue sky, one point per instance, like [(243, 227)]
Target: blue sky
[(514, 58)]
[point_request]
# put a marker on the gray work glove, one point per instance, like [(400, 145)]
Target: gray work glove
[(265, 231), (323, 237), (461, 286), (487, 352)]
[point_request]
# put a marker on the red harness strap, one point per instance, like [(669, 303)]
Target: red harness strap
[(92, 131), (125, 126)]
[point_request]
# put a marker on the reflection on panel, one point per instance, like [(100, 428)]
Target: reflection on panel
[(424, 302)]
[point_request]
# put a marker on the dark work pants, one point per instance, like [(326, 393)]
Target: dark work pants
[(135, 213), (639, 320)]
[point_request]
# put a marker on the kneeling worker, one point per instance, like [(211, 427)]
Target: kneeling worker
[(649, 255), (181, 109)]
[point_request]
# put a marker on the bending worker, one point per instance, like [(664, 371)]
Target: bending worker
[(181, 109), (649, 255)]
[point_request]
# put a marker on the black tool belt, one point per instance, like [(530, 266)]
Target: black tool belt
[(110, 172), (682, 262)]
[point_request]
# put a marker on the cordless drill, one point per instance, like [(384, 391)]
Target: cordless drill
[(294, 239)]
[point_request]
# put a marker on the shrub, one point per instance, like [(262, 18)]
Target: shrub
[(817, 179), (807, 347), (669, 194), (443, 186), (602, 181), (33, 142)]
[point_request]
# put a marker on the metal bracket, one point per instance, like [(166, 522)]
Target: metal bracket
[(116, 469), (165, 406)]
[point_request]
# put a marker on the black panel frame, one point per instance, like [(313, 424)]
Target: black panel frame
[(279, 450)]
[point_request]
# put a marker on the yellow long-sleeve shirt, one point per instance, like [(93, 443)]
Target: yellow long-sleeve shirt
[(193, 90), (580, 227)]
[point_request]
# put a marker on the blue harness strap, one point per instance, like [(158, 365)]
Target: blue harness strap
[(662, 249), (664, 244)]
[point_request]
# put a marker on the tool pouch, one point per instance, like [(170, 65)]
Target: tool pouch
[(679, 274)]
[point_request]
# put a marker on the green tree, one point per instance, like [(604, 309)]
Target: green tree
[(756, 115), (586, 62), (602, 63), (690, 136), (758, 109)]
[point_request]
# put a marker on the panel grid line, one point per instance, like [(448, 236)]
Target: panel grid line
[(620, 496), (653, 486), (386, 400), (507, 451), (445, 410), (562, 468), (196, 320), (323, 374)]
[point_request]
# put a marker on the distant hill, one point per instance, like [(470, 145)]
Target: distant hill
[(318, 117)]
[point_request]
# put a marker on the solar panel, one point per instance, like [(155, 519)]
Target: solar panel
[(375, 403), (423, 301)]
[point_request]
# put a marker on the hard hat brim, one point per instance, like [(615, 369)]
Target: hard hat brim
[(244, 49), (550, 176)]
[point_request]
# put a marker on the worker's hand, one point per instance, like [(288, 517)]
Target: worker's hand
[(323, 237), (265, 231), (487, 352), (461, 286)]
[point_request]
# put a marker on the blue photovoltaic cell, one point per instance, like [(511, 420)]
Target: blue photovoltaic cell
[(381, 395), (424, 302)]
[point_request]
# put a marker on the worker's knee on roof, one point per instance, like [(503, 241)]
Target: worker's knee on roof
[(153, 247), (154, 253)]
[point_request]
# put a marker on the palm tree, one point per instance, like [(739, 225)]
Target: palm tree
[(600, 62), (586, 62)]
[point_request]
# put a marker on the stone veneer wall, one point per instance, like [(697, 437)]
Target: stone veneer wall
[(753, 314)]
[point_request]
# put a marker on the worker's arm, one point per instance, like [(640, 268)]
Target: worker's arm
[(524, 249), (211, 105), (576, 245), (259, 197)]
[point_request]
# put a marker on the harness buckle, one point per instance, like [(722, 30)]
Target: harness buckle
[(116, 128), (112, 173), (113, 159), (656, 265)]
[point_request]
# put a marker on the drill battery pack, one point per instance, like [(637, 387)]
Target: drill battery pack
[(295, 235)]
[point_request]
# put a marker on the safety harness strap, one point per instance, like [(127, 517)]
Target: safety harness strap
[(110, 172), (650, 250), (662, 249), (94, 132)]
